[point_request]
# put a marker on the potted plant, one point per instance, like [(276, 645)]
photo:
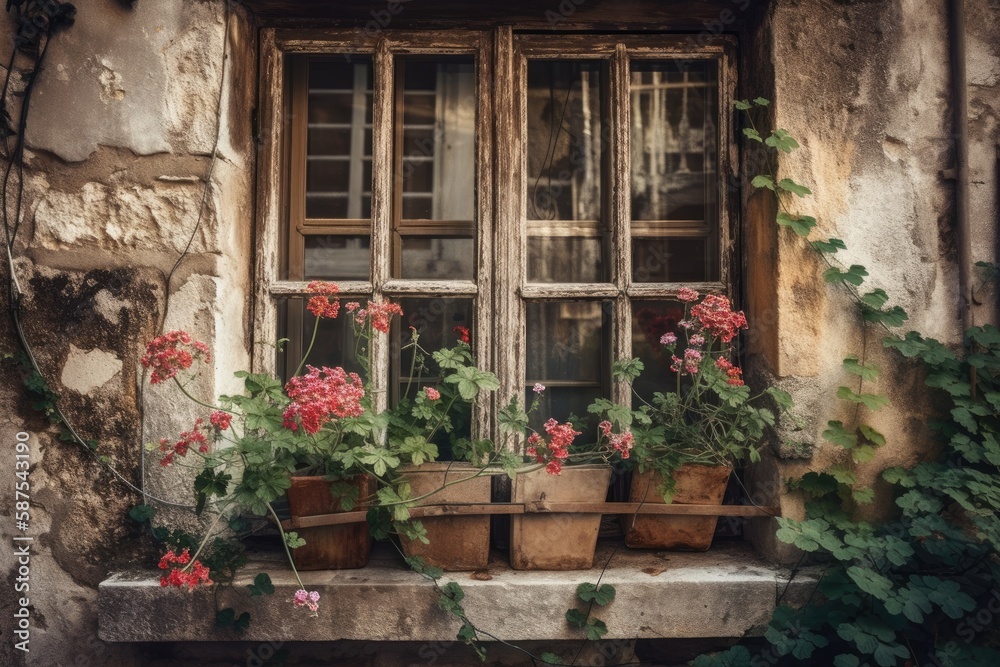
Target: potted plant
[(558, 471), (689, 436), (432, 417)]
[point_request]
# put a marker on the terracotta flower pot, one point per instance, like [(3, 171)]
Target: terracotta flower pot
[(557, 541), (694, 485), (341, 547), (457, 543)]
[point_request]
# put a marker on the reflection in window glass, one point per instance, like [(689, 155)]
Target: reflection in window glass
[(650, 320), (334, 344), (438, 138), (560, 259), (567, 352), (333, 257), (438, 258), (339, 139), (678, 260)]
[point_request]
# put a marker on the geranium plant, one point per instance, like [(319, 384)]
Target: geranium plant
[(706, 414), (247, 447)]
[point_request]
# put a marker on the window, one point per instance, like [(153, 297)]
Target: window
[(549, 192)]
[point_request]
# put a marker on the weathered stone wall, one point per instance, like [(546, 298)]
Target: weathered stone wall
[(121, 131), (866, 89), (119, 142)]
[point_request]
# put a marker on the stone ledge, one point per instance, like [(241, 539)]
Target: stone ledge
[(726, 592)]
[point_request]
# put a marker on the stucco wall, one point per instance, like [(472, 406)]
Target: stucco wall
[(122, 126)]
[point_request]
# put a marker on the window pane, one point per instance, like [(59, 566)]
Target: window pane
[(566, 134), (567, 352), (650, 320), (438, 258), (438, 115), (332, 257), (555, 259), (664, 260), (334, 344), (339, 142), (674, 136)]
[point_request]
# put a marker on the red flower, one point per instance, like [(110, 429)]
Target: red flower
[(716, 315), (554, 452), (189, 574), (432, 394), (732, 371), (220, 420), (172, 352), (321, 394), (321, 305), (462, 333), (188, 439)]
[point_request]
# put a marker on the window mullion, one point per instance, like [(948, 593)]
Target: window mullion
[(382, 194), (620, 212), (484, 416), (508, 118)]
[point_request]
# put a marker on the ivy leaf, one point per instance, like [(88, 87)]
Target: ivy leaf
[(751, 133), (761, 102), (742, 105), (875, 299), (800, 224), (853, 365), (737, 656), (870, 582), (863, 453), (596, 629), (893, 317), (142, 513), (261, 585), (781, 140), (600, 596), (763, 181), (842, 475), (871, 435), (863, 496), (576, 618), (788, 185), (870, 401), (855, 275), (838, 435), (831, 246)]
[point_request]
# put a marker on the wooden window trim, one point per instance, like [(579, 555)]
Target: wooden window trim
[(500, 287)]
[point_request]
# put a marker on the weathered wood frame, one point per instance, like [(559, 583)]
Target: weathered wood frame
[(500, 288)]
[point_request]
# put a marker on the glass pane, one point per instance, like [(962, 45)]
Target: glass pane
[(334, 342), (439, 258), (664, 260), (331, 257), (650, 320), (555, 259), (438, 138), (674, 111), (567, 130), (339, 142), (567, 352)]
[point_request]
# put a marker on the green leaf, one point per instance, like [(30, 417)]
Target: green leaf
[(845, 660), (781, 140), (596, 629), (763, 181), (870, 401), (576, 618), (863, 453), (863, 496), (800, 224), (870, 582), (261, 585), (838, 435), (853, 365), (831, 246), (788, 185), (737, 656), (751, 133), (550, 658), (293, 540), (871, 435), (742, 105), (627, 369), (142, 513), (227, 618), (855, 275), (600, 596), (761, 102)]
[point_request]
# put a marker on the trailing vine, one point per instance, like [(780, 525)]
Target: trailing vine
[(921, 587)]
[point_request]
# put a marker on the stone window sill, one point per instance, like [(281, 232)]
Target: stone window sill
[(728, 591)]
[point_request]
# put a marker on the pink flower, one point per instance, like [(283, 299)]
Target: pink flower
[(432, 394), (351, 306), (692, 359), (321, 394), (308, 599), (697, 340), (321, 305), (188, 439), (716, 316), (668, 339), (538, 388), (172, 352), (380, 313), (220, 420), (687, 294)]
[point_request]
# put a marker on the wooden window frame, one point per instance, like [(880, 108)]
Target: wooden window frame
[(500, 288)]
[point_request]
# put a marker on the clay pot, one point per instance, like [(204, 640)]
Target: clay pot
[(339, 547), (694, 485), (457, 543), (560, 540)]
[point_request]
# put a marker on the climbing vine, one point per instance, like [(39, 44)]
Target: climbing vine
[(921, 587)]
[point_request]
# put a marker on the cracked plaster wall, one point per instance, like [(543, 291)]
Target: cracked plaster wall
[(120, 134)]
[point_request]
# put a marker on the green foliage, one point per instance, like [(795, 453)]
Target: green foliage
[(800, 224), (261, 585), (227, 618), (855, 275), (142, 513)]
